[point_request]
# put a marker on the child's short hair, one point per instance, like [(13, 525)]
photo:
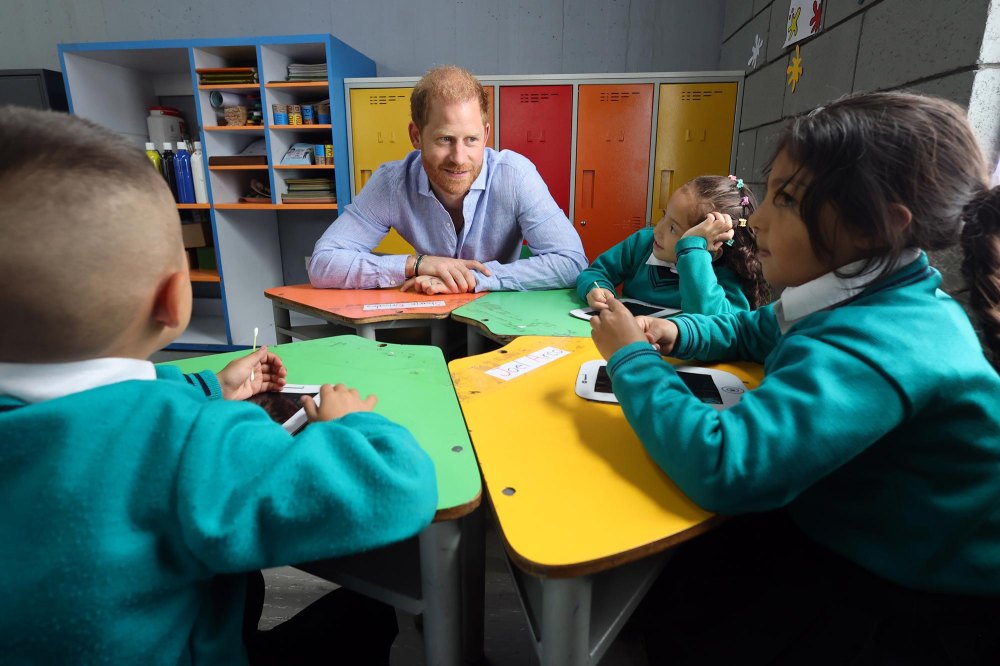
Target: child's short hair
[(719, 193), (868, 153), (88, 224)]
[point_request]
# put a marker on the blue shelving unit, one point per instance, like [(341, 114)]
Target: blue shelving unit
[(115, 83)]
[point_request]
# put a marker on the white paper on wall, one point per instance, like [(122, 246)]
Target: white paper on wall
[(805, 19)]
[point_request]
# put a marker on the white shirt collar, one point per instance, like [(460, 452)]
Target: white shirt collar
[(653, 261), (36, 382), (829, 290)]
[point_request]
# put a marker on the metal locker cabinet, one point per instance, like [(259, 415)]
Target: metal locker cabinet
[(379, 121), (614, 128), (490, 115), (537, 121), (694, 136)]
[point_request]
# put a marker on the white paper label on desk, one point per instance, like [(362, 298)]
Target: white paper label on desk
[(525, 364), (404, 306)]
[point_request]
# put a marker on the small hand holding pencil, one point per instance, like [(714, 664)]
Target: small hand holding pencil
[(257, 372)]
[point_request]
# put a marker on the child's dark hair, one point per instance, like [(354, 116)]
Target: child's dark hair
[(869, 154), (719, 193)]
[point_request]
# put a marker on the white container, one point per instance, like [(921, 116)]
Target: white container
[(198, 174), (164, 128)]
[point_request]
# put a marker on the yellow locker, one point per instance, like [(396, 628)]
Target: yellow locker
[(379, 121), (694, 136)]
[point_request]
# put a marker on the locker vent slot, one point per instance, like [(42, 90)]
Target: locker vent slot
[(698, 95), (381, 100), (617, 96), (535, 98)]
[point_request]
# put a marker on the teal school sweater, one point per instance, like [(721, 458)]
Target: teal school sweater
[(125, 508), (876, 425), (698, 287)]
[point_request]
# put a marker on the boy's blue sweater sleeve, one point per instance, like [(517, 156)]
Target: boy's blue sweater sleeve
[(614, 265), (205, 381), (703, 290), (778, 441), (251, 496)]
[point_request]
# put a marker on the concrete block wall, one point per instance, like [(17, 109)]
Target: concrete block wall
[(950, 49)]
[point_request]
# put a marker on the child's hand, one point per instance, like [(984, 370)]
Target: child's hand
[(336, 401), (268, 375), (716, 229), (614, 328), (661, 333), (598, 298)]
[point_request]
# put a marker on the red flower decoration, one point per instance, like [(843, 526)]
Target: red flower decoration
[(817, 16)]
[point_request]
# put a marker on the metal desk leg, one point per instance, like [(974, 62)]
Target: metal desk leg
[(473, 551), (282, 320), (473, 341), (566, 621), (439, 333), (366, 331), (440, 578)]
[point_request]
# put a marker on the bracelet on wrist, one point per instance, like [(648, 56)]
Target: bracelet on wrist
[(416, 264)]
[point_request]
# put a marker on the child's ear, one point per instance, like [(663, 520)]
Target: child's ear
[(899, 219), (170, 298)]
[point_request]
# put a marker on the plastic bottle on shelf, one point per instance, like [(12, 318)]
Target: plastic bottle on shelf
[(167, 168), (198, 174), (182, 173), (153, 156)]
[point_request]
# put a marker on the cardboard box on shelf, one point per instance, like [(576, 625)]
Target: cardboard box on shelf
[(196, 234)]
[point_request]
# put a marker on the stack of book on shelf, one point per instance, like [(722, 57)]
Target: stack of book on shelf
[(302, 72), (309, 191), (218, 76)]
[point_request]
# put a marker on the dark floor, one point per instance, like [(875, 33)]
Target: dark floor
[(507, 641)]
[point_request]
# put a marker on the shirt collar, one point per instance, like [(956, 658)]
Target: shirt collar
[(37, 382), (653, 261), (829, 289)]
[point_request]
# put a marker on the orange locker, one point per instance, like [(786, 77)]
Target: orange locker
[(614, 130), (694, 136), (537, 121)]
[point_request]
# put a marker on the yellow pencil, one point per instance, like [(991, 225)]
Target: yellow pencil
[(253, 350)]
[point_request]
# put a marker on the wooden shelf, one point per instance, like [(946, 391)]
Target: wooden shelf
[(231, 86), (301, 127), (297, 84), (303, 166), (194, 206), (239, 167), (248, 206), (204, 275), (232, 128)]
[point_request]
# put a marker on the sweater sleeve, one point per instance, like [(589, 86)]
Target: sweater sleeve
[(819, 409), (743, 336), (250, 496), (703, 291), (614, 265)]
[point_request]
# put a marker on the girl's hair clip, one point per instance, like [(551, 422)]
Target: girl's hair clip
[(739, 183), (744, 200), (743, 222), (730, 242)]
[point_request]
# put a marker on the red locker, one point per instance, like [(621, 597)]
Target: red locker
[(537, 121), (614, 129)]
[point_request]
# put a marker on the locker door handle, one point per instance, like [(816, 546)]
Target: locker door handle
[(529, 136), (380, 137), (365, 175), (392, 137), (666, 185), (621, 135), (587, 190), (541, 137)]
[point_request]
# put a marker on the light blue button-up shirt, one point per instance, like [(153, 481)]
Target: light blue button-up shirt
[(507, 204)]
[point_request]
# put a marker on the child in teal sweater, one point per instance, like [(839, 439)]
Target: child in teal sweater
[(701, 257), (136, 498), (868, 459)]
